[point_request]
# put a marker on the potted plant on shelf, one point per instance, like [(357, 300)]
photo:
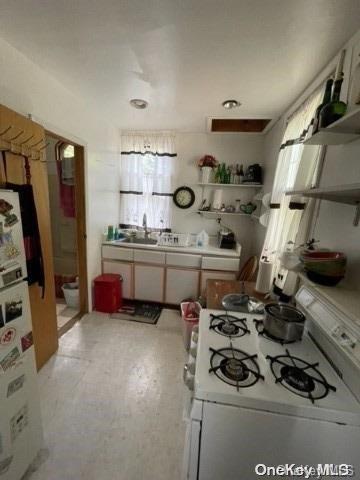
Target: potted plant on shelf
[(207, 163)]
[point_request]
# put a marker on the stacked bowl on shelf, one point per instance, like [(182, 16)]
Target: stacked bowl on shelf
[(325, 268)]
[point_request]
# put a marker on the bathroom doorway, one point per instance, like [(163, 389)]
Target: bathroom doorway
[(65, 167)]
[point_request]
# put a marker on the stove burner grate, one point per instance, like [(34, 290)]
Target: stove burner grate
[(228, 325), (235, 367), (259, 325), (300, 377)]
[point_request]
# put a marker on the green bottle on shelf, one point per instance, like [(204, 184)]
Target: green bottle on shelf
[(218, 174), (228, 175), (326, 100), (334, 109)]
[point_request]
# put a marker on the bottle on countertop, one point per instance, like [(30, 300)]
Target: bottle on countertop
[(326, 100), (110, 233), (202, 239), (334, 109)]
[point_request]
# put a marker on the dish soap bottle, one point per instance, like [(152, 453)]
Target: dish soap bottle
[(202, 239)]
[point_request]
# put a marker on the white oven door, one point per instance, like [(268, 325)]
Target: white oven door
[(234, 440)]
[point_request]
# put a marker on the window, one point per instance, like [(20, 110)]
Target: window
[(147, 169), (69, 152), (296, 169)]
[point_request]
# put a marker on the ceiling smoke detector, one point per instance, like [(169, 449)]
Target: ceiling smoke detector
[(138, 103), (231, 104)]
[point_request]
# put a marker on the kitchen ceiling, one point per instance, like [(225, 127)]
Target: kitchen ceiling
[(183, 57)]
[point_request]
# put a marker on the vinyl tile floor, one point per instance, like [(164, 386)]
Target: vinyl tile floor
[(112, 401), (64, 313)]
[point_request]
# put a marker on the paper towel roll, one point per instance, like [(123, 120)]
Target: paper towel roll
[(264, 277), (266, 200), (217, 202), (264, 219)]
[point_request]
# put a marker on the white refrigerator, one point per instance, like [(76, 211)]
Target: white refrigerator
[(21, 435)]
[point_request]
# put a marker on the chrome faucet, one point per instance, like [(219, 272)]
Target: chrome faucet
[(144, 223)]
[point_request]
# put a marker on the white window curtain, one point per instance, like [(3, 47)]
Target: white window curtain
[(147, 170), (296, 169)]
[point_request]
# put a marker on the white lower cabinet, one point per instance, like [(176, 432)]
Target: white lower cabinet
[(181, 284), (165, 277), (126, 271), (207, 275), (149, 283)]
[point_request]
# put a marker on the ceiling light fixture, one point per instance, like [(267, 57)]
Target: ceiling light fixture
[(138, 103), (231, 104)]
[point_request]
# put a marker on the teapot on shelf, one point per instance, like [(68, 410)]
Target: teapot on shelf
[(249, 208)]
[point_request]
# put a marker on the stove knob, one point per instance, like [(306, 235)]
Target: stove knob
[(188, 373), (193, 350), (191, 368), (185, 373), (190, 383), (194, 337)]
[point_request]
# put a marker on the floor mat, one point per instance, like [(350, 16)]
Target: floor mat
[(139, 312)]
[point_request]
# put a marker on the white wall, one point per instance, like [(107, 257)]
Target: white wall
[(228, 148), (333, 224), (26, 88)]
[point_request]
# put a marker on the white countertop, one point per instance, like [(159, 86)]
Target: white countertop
[(344, 299), (211, 249)]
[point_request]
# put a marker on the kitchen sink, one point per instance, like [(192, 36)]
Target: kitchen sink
[(140, 241)]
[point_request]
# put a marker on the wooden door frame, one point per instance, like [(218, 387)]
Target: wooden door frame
[(80, 205)]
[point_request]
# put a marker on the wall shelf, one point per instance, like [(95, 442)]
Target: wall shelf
[(348, 194), (238, 185), (220, 214), (344, 130)]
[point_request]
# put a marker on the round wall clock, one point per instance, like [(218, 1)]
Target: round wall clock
[(184, 197)]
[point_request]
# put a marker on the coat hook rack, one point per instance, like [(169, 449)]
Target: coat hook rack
[(37, 143), (25, 141), (6, 130), (16, 136)]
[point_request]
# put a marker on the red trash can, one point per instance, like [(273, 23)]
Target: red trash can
[(108, 293)]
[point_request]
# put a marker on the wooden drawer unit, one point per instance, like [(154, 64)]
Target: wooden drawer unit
[(117, 253), (217, 263), (183, 260), (147, 256)]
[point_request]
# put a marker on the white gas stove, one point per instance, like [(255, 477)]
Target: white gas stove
[(258, 401)]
